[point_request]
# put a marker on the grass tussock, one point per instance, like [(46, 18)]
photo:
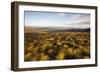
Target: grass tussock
[(56, 46)]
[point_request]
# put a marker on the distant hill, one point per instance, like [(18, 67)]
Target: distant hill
[(33, 29), (28, 29), (72, 30)]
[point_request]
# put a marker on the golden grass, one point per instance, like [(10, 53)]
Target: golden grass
[(56, 46)]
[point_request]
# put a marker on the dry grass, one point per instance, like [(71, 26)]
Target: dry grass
[(56, 46)]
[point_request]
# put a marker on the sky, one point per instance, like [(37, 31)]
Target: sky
[(57, 19)]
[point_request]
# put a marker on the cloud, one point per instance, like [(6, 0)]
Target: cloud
[(61, 14), (79, 21), (68, 20)]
